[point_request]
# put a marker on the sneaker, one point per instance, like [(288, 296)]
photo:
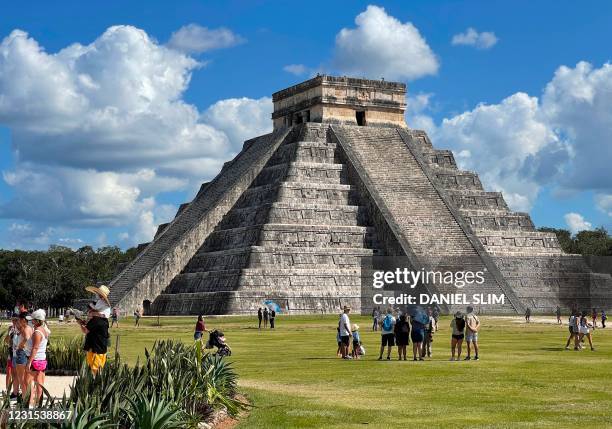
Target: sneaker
[(567, 348), (467, 358), (388, 357), (414, 359), (347, 358), (592, 349), (451, 359), (476, 358), (380, 358), (421, 359)]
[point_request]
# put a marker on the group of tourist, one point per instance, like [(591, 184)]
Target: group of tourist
[(264, 315), (399, 328), (580, 329), (27, 340)]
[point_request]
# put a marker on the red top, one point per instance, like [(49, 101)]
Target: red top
[(200, 326)]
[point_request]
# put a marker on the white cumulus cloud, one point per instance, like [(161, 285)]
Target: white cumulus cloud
[(195, 39), (296, 69), (382, 46), (99, 130), (576, 223), (471, 37)]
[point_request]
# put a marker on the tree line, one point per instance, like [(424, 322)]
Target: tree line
[(596, 242), (56, 277)]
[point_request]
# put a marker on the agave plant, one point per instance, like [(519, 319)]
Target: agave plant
[(155, 413)]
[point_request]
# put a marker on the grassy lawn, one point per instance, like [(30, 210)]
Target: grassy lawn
[(293, 378)]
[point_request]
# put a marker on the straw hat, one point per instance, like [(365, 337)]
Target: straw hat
[(38, 315), (355, 327), (102, 291)]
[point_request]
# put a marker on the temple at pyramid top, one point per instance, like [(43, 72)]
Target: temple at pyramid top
[(341, 100)]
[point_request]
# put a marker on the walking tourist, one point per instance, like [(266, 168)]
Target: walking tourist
[(603, 318), (137, 316), (36, 349), (339, 341), (528, 315), (96, 340), (458, 327), (436, 314), (259, 316), (573, 330), (585, 331), (375, 315), (402, 333), (472, 327), (430, 329), (417, 335), (272, 318), (387, 334), (115, 317), (558, 313), (344, 326), (266, 315), (356, 341), (594, 318), (12, 383), (21, 354), (200, 328)]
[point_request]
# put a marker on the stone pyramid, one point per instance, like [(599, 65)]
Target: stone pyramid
[(342, 178)]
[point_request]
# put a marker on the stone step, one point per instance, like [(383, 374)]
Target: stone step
[(296, 212), (292, 235), (278, 256), (519, 242), (457, 179), (303, 151), (301, 171), (440, 158), (473, 198), (507, 222), (329, 193)]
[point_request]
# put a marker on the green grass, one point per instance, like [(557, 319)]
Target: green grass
[(293, 378)]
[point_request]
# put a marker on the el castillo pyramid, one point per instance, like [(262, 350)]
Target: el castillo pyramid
[(340, 178)]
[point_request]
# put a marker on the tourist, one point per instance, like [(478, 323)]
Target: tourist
[(584, 330), (356, 341), (387, 334), (417, 335), (25, 333), (402, 333), (375, 315), (594, 318), (12, 382), (200, 328), (339, 341), (472, 327), (96, 340), (102, 304), (137, 316), (436, 314), (344, 325), (458, 327), (272, 317), (573, 330), (430, 330), (558, 313), (115, 317), (36, 349), (528, 315), (603, 318), (259, 316), (266, 314)]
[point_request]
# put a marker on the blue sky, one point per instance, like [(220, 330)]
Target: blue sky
[(511, 77)]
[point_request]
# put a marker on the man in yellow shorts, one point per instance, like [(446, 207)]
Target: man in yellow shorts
[(96, 340)]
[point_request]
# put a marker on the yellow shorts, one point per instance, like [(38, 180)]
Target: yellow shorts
[(95, 361)]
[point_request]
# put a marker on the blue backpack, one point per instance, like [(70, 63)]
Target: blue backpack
[(387, 324)]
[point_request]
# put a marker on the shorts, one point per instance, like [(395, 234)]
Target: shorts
[(571, 329), (458, 337), (39, 365), (417, 335), (344, 339), (95, 361), (388, 340), (355, 344), (20, 358), (197, 335), (472, 337)]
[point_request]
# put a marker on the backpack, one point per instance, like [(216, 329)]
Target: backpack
[(387, 323)]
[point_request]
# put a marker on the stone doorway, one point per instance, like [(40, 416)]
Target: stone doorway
[(361, 118)]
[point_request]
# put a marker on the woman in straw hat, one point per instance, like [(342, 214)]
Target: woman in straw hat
[(102, 304), (36, 349)]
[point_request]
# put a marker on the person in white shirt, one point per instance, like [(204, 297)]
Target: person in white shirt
[(344, 325), (472, 327)]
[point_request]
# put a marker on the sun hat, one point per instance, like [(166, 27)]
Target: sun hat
[(355, 327), (458, 315), (347, 307), (103, 291), (39, 314)]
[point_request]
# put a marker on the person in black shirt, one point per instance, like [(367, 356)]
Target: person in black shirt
[(272, 317), (96, 341), (259, 316)]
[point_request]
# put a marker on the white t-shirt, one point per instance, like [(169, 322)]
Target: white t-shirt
[(344, 322)]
